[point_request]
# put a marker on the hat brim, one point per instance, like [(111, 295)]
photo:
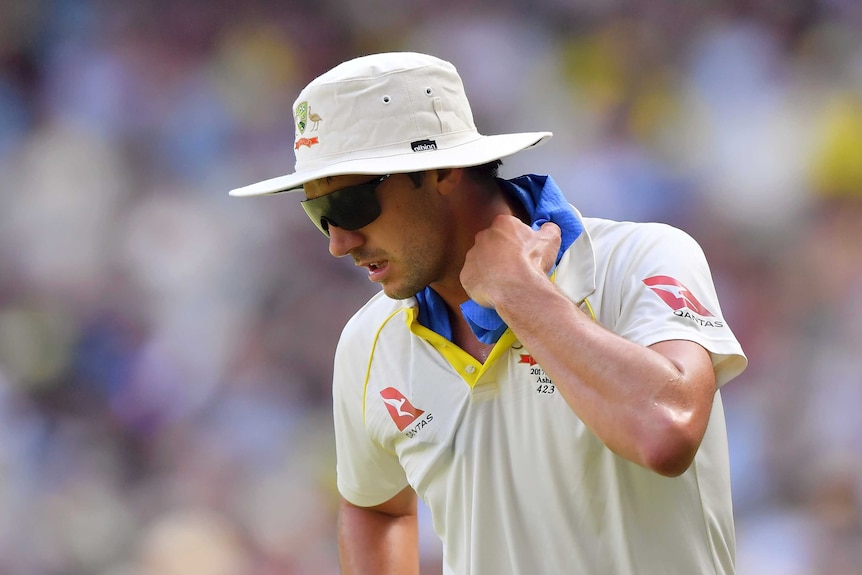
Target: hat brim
[(473, 153)]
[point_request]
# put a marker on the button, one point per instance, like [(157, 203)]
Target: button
[(470, 369)]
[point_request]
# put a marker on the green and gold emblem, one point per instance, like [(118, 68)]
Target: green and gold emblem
[(301, 116)]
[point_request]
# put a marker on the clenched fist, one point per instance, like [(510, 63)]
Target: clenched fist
[(507, 255)]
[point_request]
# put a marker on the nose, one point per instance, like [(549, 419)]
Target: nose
[(342, 242)]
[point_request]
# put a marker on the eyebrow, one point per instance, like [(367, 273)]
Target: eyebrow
[(328, 180)]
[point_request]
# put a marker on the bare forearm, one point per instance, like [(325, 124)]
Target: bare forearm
[(644, 406), (648, 405), (376, 543)]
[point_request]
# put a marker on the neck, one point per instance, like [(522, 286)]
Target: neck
[(475, 210), (463, 337)]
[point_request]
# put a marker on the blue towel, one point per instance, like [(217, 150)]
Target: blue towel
[(544, 202)]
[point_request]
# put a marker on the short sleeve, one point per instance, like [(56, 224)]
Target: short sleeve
[(666, 292)]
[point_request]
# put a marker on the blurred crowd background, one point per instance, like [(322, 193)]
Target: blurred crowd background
[(165, 350)]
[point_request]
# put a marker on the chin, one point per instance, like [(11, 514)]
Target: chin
[(396, 292)]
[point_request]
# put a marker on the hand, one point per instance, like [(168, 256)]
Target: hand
[(505, 254)]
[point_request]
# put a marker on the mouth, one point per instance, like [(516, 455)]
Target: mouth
[(376, 269)]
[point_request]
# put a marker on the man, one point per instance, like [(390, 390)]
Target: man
[(546, 383)]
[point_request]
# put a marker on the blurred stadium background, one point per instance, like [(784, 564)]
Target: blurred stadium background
[(165, 351)]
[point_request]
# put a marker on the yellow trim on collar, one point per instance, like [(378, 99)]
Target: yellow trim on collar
[(468, 367), (590, 309)]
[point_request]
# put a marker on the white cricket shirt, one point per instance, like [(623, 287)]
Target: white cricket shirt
[(516, 484)]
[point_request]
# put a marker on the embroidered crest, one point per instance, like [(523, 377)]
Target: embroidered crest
[(301, 116)]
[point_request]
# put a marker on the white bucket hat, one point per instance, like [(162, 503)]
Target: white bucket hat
[(386, 114)]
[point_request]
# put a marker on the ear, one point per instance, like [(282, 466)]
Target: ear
[(448, 179)]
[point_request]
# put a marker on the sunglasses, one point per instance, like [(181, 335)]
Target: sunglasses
[(349, 208)]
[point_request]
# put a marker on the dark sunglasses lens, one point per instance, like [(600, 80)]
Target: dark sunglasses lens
[(349, 208)]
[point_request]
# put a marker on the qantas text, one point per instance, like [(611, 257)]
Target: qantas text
[(411, 433), (703, 322)]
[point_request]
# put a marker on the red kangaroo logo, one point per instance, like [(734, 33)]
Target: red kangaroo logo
[(676, 295), (402, 411)]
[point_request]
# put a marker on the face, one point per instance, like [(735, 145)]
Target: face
[(404, 248)]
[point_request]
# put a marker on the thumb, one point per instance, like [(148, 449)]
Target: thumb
[(551, 233), (550, 238)]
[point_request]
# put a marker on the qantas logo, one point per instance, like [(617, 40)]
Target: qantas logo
[(676, 295), (400, 409), (527, 358), (682, 301)]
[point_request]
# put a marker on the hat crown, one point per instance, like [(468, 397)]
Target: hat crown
[(377, 105)]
